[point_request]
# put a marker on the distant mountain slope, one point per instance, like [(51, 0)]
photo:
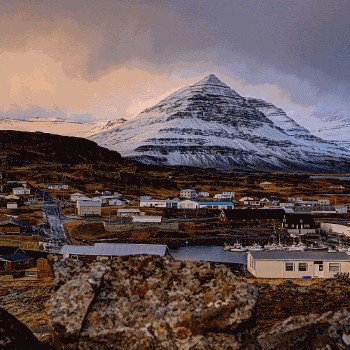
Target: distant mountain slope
[(58, 126), (334, 126), (210, 125), (28, 148)]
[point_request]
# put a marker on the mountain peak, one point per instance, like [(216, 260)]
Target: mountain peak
[(211, 79)]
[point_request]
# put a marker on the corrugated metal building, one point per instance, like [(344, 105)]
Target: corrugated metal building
[(102, 251)]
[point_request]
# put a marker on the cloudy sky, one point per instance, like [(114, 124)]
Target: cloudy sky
[(89, 60)]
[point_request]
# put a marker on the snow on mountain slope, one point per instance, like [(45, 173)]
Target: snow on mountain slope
[(334, 126), (208, 124), (60, 126)]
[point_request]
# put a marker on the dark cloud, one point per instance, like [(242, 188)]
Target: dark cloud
[(295, 44)]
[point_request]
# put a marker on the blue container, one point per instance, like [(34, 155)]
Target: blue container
[(306, 277)]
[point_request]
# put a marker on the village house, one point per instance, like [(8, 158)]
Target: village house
[(341, 229), (116, 201), (128, 212), (11, 227), (88, 207), (188, 204), (216, 205), (203, 194), (56, 186), (18, 191), (252, 201), (225, 195), (76, 196), (16, 261), (237, 217), (103, 192), (299, 223), (297, 264), (149, 202), (295, 199), (106, 200), (188, 193)]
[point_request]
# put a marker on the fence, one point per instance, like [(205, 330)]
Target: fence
[(117, 227)]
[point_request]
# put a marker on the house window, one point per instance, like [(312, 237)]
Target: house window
[(286, 225), (292, 225), (289, 266), (334, 267), (302, 266)]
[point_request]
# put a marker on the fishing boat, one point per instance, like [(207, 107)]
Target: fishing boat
[(237, 247), (297, 247), (228, 247), (255, 248), (318, 246)]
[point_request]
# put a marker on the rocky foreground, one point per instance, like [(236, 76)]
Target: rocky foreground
[(149, 302)]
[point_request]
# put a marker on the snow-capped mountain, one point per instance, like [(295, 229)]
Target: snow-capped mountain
[(334, 126), (210, 125), (59, 126)]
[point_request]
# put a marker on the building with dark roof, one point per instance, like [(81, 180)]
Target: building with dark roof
[(15, 261), (299, 223), (297, 264), (254, 216)]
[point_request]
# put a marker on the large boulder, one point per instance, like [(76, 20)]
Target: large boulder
[(14, 335), (330, 330), (151, 302)]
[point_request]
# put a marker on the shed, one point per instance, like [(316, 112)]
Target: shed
[(297, 264), (102, 251)]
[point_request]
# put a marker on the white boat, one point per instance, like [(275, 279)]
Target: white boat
[(318, 247), (255, 248), (274, 246), (341, 249), (297, 247), (237, 247)]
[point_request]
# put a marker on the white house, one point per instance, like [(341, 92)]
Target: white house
[(108, 199), (116, 202), (146, 218), (159, 203), (336, 228), (203, 194), (188, 193), (250, 201), (75, 196), (216, 205), (188, 204), (295, 199), (297, 264), (225, 195), (89, 207), (128, 212), (56, 186), (17, 191), (323, 202)]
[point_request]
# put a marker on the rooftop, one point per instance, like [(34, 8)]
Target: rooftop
[(300, 255), (115, 249)]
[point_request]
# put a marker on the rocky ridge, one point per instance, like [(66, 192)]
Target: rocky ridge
[(150, 302), (210, 125)]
